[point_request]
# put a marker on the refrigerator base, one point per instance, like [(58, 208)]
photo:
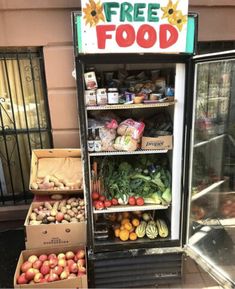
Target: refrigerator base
[(134, 269)]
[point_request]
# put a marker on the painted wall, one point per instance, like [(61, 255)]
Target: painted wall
[(47, 24)]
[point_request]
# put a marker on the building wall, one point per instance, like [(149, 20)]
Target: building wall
[(47, 24)]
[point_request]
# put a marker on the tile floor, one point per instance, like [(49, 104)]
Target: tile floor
[(194, 277)]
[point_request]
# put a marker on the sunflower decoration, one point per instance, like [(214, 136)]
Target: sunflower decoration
[(178, 20), (169, 10), (93, 13), (174, 16)]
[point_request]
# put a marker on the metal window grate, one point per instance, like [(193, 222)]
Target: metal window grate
[(24, 120)]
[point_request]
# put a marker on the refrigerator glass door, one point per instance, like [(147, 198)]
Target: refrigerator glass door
[(211, 214)]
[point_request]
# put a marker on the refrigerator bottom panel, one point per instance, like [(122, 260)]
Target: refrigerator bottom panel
[(137, 269)]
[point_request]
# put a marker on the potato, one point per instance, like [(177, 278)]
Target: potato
[(56, 197), (74, 220), (71, 200), (62, 204), (75, 210), (40, 216), (53, 212), (46, 179), (74, 204), (34, 186), (33, 216), (34, 222), (55, 206), (64, 222), (67, 217), (48, 205), (68, 207), (70, 213), (51, 219), (63, 210)]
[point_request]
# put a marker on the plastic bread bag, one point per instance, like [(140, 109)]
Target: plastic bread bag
[(130, 127), (125, 143)]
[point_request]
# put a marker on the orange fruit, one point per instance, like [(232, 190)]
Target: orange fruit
[(133, 236), (124, 221), (128, 226), (117, 232), (135, 222), (124, 235), (122, 228)]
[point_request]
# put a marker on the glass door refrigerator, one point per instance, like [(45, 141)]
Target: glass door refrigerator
[(187, 182)]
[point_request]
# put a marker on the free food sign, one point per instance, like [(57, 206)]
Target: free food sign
[(138, 26)]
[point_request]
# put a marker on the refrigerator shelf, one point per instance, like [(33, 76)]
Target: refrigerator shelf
[(207, 190), (115, 153), (130, 106), (208, 141), (127, 208)]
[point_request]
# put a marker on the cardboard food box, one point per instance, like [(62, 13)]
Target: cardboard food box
[(48, 235), (58, 163), (78, 282), (157, 143)]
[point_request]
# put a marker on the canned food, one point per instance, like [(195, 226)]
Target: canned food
[(113, 96)]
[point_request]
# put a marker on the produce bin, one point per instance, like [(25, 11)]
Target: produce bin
[(57, 163), (78, 282), (47, 235)]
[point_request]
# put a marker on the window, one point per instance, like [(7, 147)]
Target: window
[(24, 119)]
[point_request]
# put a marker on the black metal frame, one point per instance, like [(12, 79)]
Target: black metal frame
[(6, 133)]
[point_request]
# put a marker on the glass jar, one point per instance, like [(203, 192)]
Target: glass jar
[(113, 96)]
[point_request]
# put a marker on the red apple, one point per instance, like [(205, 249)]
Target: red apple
[(69, 255), (53, 262), (73, 268), (31, 282), (70, 262), (37, 264), (72, 275), (58, 270), (30, 273), (62, 262), (43, 280), (32, 258), (37, 278), (64, 275), (53, 277), (81, 274), (52, 256), (67, 269), (46, 263), (22, 279), (61, 256), (43, 257), (82, 269), (45, 269), (36, 270), (80, 254), (25, 266), (46, 277), (81, 262)]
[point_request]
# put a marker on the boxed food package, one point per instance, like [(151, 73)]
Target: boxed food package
[(59, 230), (56, 171), (157, 143), (76, 280)]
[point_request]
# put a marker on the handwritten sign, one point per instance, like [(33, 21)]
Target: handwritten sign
[(140, 26)]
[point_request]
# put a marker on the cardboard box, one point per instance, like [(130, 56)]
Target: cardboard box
[(53, 154), (78, 282), (48, 235), (157, 143)]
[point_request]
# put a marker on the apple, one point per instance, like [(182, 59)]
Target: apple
[(64, 275), (36, 270), (81, 274), (72, 275), (22, 279), (70, 262), (46, 263), (62, 262), (43, 280), (52, 256), (61, 256), (53, 277), (80, 254), (81, 269), (69, 255), (73, 268), (25, 266), (37, 264), (58, 270), (43, 257), (31, 282), (30, 273), (32, 258), (53, 262), (46, 277), (45, 269), (81, 262), (37, 278), (67, 269)]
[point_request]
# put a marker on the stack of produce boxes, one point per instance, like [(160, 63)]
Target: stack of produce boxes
[(55, 225)]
